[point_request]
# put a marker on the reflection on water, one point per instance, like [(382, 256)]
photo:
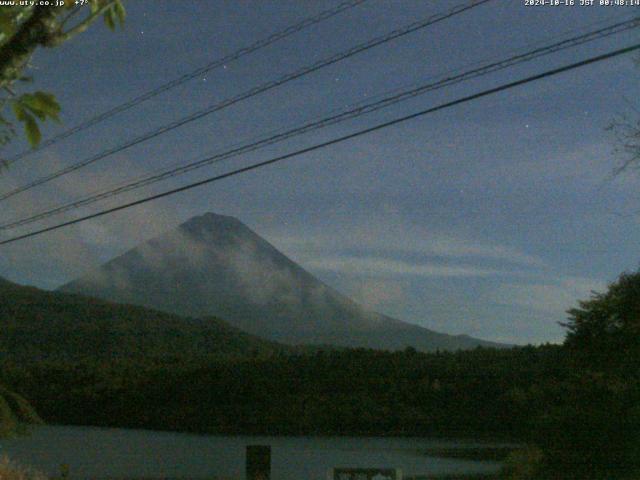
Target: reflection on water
[(106, 452)]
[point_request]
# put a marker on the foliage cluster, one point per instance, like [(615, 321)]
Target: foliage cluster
[(590, 428), (25, 28), (11, 471), (15, 413)]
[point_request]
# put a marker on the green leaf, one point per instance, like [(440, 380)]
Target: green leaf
[(109, 19), (41, 104), (32, 130), (30, 103), (47, 103), (121, 13), (115, 14), (18, 110)]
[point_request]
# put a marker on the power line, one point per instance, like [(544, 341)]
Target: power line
[(334, 141), (491, 58), (290, 30), (413, 27), (333, 119)]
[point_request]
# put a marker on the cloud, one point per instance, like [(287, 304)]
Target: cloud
[(396, 238), (262, 279), (388, 266), (376, 293), (553, 296), (387, 246), (56, 257)]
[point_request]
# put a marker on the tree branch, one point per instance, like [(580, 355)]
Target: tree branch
[(82, 26)]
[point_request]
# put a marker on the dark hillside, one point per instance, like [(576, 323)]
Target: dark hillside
[(37, 325)]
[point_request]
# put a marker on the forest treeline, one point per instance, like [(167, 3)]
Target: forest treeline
[(576, 405), (484, 391), (585, 422)]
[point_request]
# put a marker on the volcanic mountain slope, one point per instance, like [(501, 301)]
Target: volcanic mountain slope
[(37, 325), (214, 265)]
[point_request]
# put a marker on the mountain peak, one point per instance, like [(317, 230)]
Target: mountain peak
[(211, 217), (214, 265), (211, 222)]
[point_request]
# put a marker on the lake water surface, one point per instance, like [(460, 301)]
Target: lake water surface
[(109, 452)]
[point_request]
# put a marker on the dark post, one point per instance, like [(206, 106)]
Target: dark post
[(258, 462)]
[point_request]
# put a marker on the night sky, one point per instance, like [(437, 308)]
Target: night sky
[(490, 219)]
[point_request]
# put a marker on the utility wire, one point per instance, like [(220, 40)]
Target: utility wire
[(380, 126), (457, 70), (334, 119), (413, 27), (260, 44)]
